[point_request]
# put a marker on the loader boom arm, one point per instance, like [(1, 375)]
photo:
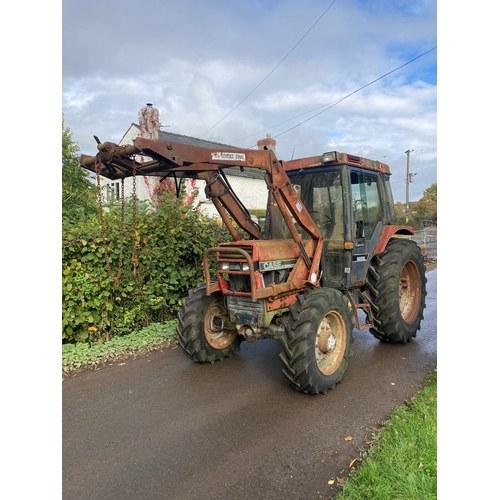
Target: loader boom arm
[(185, 161)]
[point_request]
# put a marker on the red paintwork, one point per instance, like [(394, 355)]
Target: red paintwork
[(253, 251), (265, 250), (388, 232), (342, 159)]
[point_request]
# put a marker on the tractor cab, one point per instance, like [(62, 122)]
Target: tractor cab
[(350, 201)]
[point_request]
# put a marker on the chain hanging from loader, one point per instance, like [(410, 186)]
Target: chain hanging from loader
[(116, 278), (135, 259)]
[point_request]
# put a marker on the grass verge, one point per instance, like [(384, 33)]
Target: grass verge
[(82, 356), (402, 461)]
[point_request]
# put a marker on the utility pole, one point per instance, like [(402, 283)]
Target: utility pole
[(408, 180)]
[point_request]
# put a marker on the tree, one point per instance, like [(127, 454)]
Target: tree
[(79, 195), (431, 192), (426, 207), (400, 210)]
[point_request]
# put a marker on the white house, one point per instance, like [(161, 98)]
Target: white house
[(250, 187)]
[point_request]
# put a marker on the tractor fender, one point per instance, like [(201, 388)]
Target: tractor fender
[(388, 232)]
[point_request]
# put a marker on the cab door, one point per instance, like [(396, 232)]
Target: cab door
[(366, 219), (323, 193)]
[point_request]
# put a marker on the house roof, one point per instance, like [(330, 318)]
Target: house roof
[(186, 139)]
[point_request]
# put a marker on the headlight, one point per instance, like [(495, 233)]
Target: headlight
[(234, 266), (329, 157)]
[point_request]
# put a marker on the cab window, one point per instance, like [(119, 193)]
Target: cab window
[(365, 200)]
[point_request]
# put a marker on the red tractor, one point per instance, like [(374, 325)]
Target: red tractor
[(328, 258)]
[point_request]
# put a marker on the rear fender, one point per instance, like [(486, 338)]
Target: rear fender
[(388, 232)]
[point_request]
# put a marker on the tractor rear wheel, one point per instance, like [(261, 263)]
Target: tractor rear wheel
[(202, 330), (317, 340), (396, 291)]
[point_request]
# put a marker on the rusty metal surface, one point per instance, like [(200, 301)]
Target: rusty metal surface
[(226, 202), (251, 254), (341, 159), (173, 157), (268, 250)]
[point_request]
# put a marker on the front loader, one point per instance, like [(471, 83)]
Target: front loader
[(329, 258)]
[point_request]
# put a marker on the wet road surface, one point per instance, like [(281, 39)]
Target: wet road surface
[(163, 427)]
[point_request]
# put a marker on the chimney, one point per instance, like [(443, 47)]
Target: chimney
[(149, 122), (267, 143)]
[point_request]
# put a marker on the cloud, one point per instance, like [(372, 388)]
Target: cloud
[(233, 71)]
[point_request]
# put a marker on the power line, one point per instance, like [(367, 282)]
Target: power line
[(281, 123), (273, 70), (416, 150), (352, 93)]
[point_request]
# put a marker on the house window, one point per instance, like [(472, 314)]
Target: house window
[(113, 191)]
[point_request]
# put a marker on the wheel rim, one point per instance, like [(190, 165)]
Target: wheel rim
[(409, 292), (215, 333), (331, 340)]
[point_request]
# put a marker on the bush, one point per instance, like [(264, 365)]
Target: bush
[(170, 244)]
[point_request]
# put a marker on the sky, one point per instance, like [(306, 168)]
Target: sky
[(353, 76)]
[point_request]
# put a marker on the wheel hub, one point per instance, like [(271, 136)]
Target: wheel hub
[(331, 338), (216, 332), (409, 292), (326, 339)]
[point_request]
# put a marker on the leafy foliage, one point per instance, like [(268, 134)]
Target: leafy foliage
[(79, 195), (426, 210), (170, 243), (81, 356), (431, 192)]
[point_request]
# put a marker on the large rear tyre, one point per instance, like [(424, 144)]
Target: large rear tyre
[(396, 291), (202, 330), (317, 340)]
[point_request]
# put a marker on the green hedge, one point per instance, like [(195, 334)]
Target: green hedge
[(170, 244)]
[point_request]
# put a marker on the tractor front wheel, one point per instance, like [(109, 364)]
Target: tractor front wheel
[(202, 329), (317, 340)]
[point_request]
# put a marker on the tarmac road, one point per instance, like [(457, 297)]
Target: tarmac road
[(163, 427)]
